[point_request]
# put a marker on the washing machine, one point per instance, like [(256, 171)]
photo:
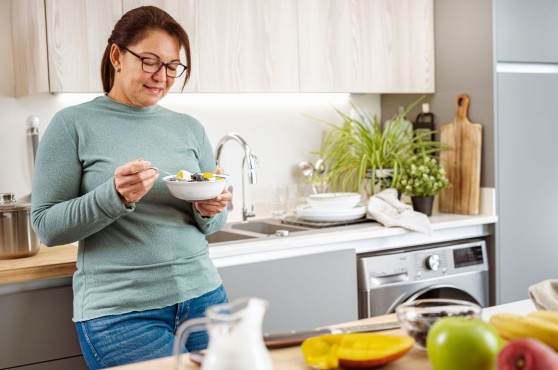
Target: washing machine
[(457, 270)]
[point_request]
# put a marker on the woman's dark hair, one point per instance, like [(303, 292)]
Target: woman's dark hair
[(132, 28)]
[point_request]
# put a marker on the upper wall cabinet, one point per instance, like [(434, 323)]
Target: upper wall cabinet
[(77, 34), (29, 46), (368, 46), (74, 38), (375, 46), (237, 45), (527, 31)]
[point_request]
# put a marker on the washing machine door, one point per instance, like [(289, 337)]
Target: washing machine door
[(437, 291)]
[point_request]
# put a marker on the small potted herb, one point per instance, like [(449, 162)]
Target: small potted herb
[(422, 178)]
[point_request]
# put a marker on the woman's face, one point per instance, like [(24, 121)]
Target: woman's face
[(132, 85)]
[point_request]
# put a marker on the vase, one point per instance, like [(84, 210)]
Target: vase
[(423, 204)]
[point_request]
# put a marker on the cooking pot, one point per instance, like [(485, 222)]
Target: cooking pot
[(17, 238)]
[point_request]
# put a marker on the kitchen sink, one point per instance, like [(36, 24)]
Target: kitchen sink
[(267, 228), (226, 236)]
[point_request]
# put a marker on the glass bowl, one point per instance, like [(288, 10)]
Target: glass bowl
[(416, 317), (192, 190)]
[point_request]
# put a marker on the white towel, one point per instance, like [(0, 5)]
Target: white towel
[(545, 295), (385, 208)]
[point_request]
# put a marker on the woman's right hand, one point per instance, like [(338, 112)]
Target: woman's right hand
[(134, 179)]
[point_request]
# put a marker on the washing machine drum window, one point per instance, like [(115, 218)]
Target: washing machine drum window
[(442, 292)]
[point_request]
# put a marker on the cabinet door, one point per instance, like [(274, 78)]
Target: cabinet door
[(527, 31), (304, 292), (29, 47), (237, 45), (527, 182), (375, 46), (77, 34)]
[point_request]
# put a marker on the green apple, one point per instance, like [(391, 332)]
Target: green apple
[(462, 343)]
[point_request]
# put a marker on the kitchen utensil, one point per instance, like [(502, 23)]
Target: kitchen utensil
[(307, 212), (462, 162), (334, 200), (197, 190), (308, 171), (235, 336), (33, 123), (17, 238), (296, 337), (425, 120)]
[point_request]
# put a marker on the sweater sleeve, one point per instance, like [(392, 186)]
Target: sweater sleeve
[(60, 214)]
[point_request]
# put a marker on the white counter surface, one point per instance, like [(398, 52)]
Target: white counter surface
[(364, 238)]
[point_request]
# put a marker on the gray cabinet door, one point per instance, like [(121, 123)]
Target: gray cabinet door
[(37, 328), (527, 182), (526, 31), (304, 292)]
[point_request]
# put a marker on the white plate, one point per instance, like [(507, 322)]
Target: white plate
[(307, 212), (334, 200)]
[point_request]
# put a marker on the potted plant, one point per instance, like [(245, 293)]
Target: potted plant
[(422, 178), (361, 156)]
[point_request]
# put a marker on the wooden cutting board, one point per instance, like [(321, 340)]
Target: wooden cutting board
[(462, 163)]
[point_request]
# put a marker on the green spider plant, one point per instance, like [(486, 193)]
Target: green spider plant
[(356, 151)]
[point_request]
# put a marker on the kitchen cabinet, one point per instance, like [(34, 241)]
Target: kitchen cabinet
[(527, 179), (374, 46), (526, 91), (77, 34), (29, 46), (304, 292), (368, 46), (58, 44), (525, 31), (37, 328), (237, 45)]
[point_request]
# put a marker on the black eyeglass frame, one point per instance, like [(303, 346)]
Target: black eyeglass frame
[(161, 64)]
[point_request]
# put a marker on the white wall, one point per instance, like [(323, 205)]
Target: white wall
[(274, 125)]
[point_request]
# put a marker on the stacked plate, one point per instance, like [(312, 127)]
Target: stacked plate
[(331, 207)]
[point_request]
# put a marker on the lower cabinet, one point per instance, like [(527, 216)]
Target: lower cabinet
[(37, 328), (304, 292)]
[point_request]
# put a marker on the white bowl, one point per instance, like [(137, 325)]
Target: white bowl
[(202, 190), (334, 200)]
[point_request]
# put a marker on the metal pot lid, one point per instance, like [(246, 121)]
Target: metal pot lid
[(8, 202)]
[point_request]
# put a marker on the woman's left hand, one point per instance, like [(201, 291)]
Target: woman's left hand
[(211, 207)]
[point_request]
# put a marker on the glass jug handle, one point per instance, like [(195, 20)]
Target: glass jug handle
[(182, 334)]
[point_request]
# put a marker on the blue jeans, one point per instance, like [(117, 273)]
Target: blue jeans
[(139, 336)]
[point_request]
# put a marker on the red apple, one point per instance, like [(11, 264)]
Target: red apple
[(527, 354)]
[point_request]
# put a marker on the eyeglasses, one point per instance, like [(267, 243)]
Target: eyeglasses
[(153, 65)]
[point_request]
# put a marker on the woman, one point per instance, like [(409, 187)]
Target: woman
[(143, 263)]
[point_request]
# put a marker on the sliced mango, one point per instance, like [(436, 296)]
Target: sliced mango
[(356, 351), (183, 174)]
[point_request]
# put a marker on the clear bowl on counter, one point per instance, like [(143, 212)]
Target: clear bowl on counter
[(416, 317)]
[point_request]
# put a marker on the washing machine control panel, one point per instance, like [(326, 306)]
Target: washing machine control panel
[(421, 264), (432, 262)]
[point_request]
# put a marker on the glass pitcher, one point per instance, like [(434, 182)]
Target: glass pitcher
[(235, 336)]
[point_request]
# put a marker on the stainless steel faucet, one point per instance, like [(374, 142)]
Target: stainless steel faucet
[(251, 162)]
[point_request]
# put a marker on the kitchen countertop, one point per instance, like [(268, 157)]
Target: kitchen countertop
[(60, 261), (291, 358), (49, 263)]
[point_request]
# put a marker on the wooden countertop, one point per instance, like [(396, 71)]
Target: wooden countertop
[(291, 358), (50, 262)]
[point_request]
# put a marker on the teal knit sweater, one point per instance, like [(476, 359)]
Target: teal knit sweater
[(147, 255)]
